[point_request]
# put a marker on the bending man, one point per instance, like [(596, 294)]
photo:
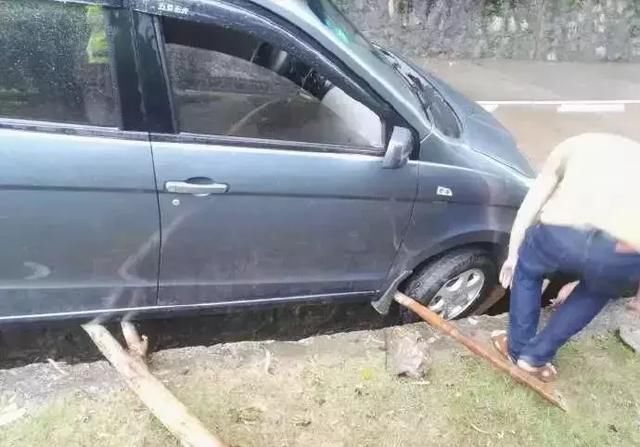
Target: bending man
[(580, 217)]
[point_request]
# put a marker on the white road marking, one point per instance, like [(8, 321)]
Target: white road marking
[(567, 106), (555, 102), (590, 108), (489, 107)]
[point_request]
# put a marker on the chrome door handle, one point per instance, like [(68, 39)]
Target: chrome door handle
[(197, 189)]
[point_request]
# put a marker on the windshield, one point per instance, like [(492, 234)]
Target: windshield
[(433, 104), (436, 107)]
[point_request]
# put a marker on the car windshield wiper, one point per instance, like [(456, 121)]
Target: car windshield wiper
[(413, 82)]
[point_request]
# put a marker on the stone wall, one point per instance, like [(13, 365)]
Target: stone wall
[(552, 30)]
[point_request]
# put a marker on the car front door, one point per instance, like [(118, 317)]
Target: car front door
[(271, 186), (79, 219)]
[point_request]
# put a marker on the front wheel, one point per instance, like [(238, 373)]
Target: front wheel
[(453, 285)]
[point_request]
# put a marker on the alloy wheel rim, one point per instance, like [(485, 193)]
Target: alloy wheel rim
[(458, 294)]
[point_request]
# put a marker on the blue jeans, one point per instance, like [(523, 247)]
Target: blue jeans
[(589, 254)]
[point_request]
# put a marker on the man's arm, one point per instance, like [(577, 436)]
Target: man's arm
[(538, 194)]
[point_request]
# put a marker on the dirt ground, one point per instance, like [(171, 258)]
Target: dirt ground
[(334, 390)]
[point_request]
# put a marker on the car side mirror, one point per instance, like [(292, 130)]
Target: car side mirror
[(399, 148)]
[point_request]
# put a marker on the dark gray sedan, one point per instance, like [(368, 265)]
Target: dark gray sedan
[(162, 156)]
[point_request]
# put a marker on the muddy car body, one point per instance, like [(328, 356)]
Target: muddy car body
[(165, 156)]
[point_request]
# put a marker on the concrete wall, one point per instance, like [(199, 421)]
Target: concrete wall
[(552, 30)]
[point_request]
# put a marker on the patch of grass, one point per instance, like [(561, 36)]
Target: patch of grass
[(335, 400), (79, 420), (597, 378)]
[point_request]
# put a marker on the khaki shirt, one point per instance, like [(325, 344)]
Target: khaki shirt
[(589, 181)]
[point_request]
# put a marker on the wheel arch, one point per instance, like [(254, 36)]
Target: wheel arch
[(489, 247), (495, 242)]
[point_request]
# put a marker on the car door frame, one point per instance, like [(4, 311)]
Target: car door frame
[(251, 18), (131, 125)]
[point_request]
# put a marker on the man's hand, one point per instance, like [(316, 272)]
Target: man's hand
[(634, 304), (506, 273), (564, 293)]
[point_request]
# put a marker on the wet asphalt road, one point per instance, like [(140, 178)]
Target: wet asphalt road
[(543, 103), (538, 128)]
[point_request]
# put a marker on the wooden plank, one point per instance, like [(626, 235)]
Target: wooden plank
[(159, 400), (520, 376)]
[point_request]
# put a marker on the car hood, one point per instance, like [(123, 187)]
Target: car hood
[(481, 131)]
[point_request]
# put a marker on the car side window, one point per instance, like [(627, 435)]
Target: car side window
[(226, 82), (55, 63)]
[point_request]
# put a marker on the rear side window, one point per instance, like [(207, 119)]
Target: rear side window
[(55, 63), (226, 82)]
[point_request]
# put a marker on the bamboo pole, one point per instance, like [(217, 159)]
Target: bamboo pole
[(159, 400), (520, 376)]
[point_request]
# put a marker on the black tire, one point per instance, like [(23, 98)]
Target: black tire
[(427, 281)]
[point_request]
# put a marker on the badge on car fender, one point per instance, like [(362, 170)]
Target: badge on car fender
[(444, 192)]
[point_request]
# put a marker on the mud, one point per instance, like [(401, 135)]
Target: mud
[(34, 384), (65, 341)]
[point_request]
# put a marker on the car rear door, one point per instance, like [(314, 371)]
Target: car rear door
[(79, 220), (268, 190)]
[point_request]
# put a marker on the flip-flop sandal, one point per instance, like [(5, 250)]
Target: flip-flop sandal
[(499, 340), (547, 373)]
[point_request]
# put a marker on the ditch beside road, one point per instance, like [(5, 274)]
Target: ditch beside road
[(336, 391)]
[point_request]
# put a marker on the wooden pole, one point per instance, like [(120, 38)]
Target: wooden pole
[(161, 402), (137, 345), (436, 321)]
